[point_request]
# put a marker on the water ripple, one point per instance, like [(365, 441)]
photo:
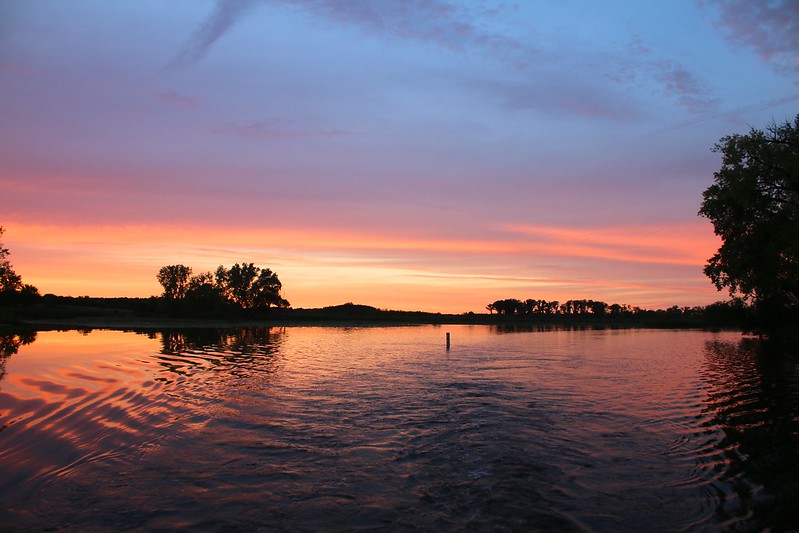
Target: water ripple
[(381, 429)]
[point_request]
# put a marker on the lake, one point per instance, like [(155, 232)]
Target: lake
[(384, 428)]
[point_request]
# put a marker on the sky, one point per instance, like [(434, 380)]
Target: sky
[(421, 155)]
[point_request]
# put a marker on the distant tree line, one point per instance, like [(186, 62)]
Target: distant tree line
[(241, 287), (729, 312), (529, 307)]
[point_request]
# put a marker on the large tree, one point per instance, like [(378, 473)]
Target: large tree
[(243, 285), (9, 280), (11, 287), (237, 283), (175, 281), (267, 290), (754, 208)]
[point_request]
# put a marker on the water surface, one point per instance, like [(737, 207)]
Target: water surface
[(385, 429)]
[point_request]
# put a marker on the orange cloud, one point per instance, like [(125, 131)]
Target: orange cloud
[(684, 244), (646, 266)]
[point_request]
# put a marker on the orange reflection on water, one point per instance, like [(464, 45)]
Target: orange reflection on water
[(71, 397)]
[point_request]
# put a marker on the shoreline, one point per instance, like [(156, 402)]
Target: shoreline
[(170, 323)]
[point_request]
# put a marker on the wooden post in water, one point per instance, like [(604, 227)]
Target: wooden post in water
[(448, 340)]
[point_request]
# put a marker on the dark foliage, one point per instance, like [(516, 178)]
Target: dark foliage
[(754, 207), (243, 289), (12, 291)]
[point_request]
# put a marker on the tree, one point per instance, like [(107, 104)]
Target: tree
[(597, 307), (266, 290), (237, 283), (250, 286), (754, 207), (9, 280), (242, 286), (204, 298), (508, 307), (12, 290), (175, 281)]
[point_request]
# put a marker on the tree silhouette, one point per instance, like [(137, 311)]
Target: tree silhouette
[(11, 287), (754, 207), (242, 286), (238, 283), (9, 280), (175, 281), (266, 290)]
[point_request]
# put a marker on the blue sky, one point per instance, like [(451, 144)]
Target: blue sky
[(434, 155)]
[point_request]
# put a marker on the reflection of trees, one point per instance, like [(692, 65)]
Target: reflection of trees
[(9, 345), (238, 351), (753, 398), (538, 328)]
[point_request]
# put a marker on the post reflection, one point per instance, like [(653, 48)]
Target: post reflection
[(753, 398)]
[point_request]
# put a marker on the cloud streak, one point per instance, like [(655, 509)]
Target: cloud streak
[(225, 15), (321, 267), (173, 99), (684, 85), (426, 21), (770, 28), (14, 68), (540, 83), (275, 129)]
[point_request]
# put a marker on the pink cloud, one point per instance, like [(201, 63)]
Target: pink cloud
[(14, 68), (225, 15), (430, 21), (558, 96), (687, 244), (276, 129), (770, 28), (684, 85), (177, 100), (645, 265)]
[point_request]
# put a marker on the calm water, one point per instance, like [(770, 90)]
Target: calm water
[(304, 429)]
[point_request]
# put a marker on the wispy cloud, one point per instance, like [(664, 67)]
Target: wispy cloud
[(429, 21), (684, 86), (174, 99), (225, 15), (558, 95), (689, 245), (771, 28), (14, 68), (277, 129), (541, 85), (459, 274), (639, 63)]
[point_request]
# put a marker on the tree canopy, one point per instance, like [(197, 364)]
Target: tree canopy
[(243, 285), (754, 207), (531, 306), (11, 286), (175, 281)]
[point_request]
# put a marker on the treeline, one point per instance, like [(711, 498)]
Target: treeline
[(515, 307), (734, 311), (243, 287)]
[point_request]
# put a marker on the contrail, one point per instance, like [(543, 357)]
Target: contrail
[(225, 16)]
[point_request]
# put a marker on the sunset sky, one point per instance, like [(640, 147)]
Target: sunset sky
[(404, 154)]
